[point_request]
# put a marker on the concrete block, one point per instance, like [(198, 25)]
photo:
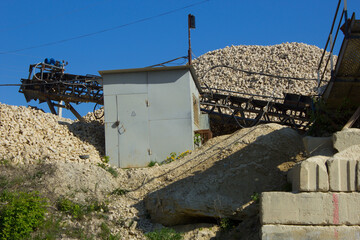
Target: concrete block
[(352, 153), (318, 146), (311, 208), (310, 175), (286, 232), (346, 138), (342, 173)]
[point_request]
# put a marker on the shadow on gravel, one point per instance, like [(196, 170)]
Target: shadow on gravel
[(90, 132), (227, 188)]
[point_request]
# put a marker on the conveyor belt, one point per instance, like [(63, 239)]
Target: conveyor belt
[(344, 86)]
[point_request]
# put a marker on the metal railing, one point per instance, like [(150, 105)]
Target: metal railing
[(331, 40)]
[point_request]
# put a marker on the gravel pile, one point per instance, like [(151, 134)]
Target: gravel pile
[(97, 116), (30, 136), (296, 60)]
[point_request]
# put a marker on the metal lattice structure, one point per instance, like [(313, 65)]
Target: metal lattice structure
[(49, 83), (239, 111)]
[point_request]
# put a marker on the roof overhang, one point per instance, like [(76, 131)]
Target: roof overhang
[(154, 69)]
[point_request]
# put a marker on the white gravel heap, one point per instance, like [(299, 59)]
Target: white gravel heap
[(30, 136), (297, 60)]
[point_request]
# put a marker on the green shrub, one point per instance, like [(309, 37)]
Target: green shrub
[(164, 234), (20, 214)]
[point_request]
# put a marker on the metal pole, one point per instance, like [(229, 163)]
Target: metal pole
[(60, 108), (331, 53), (346, 18), (189, 51)]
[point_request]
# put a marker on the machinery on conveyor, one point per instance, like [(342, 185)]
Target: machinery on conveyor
[(48, 82)]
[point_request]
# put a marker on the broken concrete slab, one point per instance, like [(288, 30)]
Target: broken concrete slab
[(311, 208), (310, 175), (318, 146), (286, 232), (346, 138)]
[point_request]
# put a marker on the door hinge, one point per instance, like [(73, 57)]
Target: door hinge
[(149, 151), (147, 103)]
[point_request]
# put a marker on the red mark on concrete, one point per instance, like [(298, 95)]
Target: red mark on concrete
[(336, 214), (336, 208)]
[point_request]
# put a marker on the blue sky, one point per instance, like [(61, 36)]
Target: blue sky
[(219, 23)]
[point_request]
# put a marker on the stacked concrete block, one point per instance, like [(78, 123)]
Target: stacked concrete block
[(312, 208), (327, 205), (346, 138), (281, 232), (310, 175), (312, 215), (342, 174)]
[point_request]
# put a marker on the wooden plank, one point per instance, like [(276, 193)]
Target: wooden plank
[(353, 119)]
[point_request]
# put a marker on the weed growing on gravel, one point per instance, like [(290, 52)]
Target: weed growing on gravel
[(255, 197), (119, 192), (5, 162), (173, 156), (51, 229), (77, 210), (152, 163), (20, 214), (71, 208), (105, 233), (197, 139), (226, 224), (108, 168), (164, 234)]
